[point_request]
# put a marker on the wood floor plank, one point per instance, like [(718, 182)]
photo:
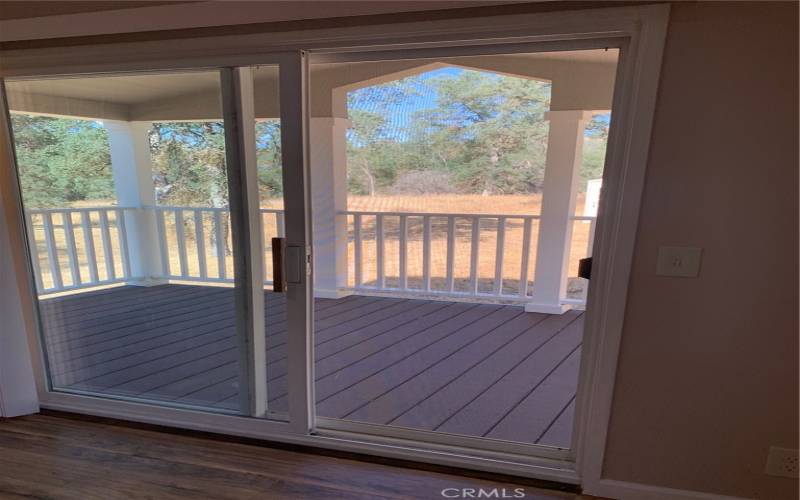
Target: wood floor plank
[(56, 458), (39, 455)]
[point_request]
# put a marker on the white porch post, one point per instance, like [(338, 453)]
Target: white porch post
[(564, 151), (133, 182), (328, 163)]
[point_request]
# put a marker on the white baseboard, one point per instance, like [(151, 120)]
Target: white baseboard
[(623, 490)]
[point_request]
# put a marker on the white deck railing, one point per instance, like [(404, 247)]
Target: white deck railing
[(209, 228), (68, 239), (450, 236), (477, 227), (83, 247)]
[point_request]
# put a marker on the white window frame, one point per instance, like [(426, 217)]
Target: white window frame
[(643, 30)]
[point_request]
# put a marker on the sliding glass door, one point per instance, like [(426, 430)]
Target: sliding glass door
[(150, 204), (171, 235), (455, 194)]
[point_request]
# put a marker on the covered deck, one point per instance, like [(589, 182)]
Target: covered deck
[(475, 369)]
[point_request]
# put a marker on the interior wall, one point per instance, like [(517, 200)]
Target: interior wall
[(707, 376)]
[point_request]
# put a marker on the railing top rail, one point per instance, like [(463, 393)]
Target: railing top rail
[(440, 214), (186, 208), (583, 217), (207, 209), (75, 209)]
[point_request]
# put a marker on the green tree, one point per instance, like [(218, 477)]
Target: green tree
[(268, 151), (484, 131), (497, 122), (61, 161), (188, 161)]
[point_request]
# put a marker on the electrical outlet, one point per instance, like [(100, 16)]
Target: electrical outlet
[(782, 462)]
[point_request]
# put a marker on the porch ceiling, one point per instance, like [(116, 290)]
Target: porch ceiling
[(581, 80)]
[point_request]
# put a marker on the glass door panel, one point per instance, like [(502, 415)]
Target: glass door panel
[(124, 182), (448, 209), (272, 217)]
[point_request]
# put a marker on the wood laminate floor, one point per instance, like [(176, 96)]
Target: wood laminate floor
[(53, 456)]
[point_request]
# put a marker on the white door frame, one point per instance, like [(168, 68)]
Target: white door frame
[(643, 29)]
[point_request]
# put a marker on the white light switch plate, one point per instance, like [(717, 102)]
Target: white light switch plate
[(683, 262)]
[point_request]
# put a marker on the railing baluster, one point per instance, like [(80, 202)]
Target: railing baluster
[(181, 238), (403, 242), (72, 251), (590, 243), (473, 255), (526, 254), (451, 252), (264, 237), (122, 235), (162, 242), (426, 253), (108, 254), (380, 280), (199, 236), (34, 252), (280, 224), (357, 251), (220, 244), (498, 256), (88, 242), (52, 253)]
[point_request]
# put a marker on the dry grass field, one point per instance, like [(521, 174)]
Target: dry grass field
[(455, 204)]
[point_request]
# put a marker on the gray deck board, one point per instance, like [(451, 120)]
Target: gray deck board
[(560, 431), (402, 395), (375, 374), (479, 416), (475, 369), (432, 411)]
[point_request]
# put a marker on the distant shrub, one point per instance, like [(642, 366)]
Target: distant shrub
[(418, 182)]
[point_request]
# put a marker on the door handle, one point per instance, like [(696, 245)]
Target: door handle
[(585, 268), (278, 276)]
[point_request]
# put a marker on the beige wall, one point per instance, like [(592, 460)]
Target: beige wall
[(708, 368)]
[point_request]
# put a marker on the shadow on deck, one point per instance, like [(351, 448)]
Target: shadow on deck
[(463, 368)]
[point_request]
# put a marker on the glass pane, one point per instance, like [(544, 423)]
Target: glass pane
[(270, 186), (125, 191), (448, 214)]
